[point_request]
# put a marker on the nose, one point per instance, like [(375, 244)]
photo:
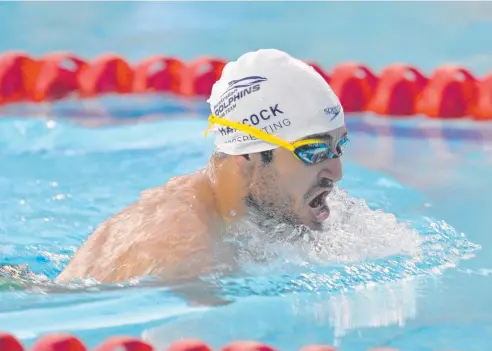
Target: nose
[(332, 169)]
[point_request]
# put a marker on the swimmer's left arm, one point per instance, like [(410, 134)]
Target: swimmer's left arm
[(183, 275), (179, 254)]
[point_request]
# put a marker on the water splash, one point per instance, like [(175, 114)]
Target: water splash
[(359, 247)]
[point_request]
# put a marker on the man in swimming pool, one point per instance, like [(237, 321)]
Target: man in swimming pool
[(280, 132)]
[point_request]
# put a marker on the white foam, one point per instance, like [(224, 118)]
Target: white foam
[(353, 233)]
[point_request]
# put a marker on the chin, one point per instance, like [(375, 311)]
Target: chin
[(315, 226)]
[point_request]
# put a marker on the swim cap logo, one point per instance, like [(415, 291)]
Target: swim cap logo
[(333, 112), (244, 83), (236, 90)]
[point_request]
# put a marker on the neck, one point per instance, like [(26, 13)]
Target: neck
[(228, 187)]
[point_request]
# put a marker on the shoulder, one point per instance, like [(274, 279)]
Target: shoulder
[(160, 231), (157, 218)]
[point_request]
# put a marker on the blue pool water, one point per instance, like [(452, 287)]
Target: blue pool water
[(374, 282), (367, 286)]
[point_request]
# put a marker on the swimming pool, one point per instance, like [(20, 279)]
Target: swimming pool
[(372, 282), (58, 180)]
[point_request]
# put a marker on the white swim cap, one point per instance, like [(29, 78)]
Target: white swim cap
[(272, 91)]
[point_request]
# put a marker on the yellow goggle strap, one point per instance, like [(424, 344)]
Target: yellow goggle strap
[(257, 133)]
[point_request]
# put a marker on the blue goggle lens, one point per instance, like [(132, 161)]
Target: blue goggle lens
[(316, 153)]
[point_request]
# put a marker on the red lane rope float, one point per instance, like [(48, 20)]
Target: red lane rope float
[(66, 342), (319, 348), (108, 73), (397, 91), (158, 74), (200, 76), (18, 72), (451, 92), (58, 342), (124, 344), (10, 343), (400, 90), (354, 84), (247, 346), (57, 77)]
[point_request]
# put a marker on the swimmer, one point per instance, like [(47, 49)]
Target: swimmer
[(279, 131)]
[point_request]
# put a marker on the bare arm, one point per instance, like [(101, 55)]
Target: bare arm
[(150, 238)]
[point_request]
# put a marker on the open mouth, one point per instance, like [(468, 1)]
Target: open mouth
[(319, 200), (318, 207)]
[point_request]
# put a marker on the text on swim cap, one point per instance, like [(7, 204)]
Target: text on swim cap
[(264, 114), (270, 129), (227, 102), (254, 119)]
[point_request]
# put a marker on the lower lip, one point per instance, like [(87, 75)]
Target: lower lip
[(321, 215)]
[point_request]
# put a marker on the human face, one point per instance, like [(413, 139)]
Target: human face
[(291, 190)]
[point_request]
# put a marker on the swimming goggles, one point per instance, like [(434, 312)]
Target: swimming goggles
[(309, 151)]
